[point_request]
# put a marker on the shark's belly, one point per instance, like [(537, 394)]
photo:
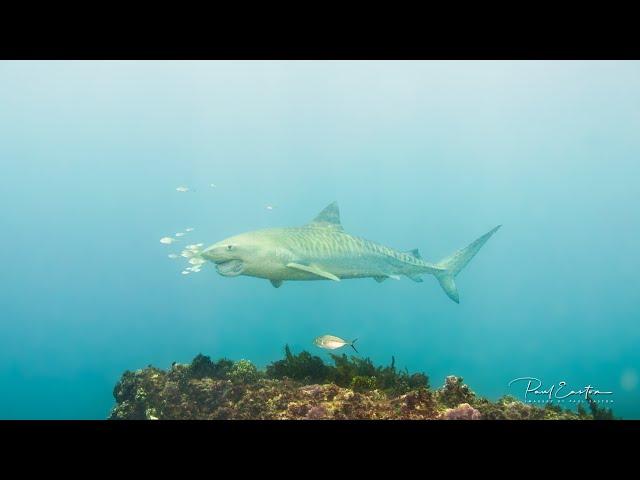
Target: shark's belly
[(344, 267)]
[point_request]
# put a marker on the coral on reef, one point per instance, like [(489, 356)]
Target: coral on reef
[(243, 371), (464, 411), (508, 408), (303, 387), (454, 392)]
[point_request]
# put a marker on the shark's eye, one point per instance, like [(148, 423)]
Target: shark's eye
[(229, 247)]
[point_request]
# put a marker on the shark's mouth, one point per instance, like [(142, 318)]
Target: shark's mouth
[(230, 268)]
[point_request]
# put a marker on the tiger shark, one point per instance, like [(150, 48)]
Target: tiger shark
[(322, 250)]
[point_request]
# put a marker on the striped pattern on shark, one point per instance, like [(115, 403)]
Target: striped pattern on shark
[(322, 250)]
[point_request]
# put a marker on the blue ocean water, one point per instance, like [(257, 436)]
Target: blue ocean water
[(417, 154)]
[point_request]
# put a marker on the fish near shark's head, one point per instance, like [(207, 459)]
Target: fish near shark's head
[(236, 255)]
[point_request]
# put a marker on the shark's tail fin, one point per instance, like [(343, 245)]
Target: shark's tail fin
[(455, 262), (351, 344)]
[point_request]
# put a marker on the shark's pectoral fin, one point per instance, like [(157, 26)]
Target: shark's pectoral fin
[(415, 277), (276, 283), (313, 269)]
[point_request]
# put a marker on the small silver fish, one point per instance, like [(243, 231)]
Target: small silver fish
[(172, 255), (190, 251), (180, 234), (190, 229), (167, 240), (330, 342), (182, 189)]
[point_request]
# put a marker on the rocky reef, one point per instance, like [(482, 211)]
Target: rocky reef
[(302, 386)]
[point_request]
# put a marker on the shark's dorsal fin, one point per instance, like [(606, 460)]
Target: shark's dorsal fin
[(415, 253), (328, 218)]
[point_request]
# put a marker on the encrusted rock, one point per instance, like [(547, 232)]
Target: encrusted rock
[(300, 387), (464, 411)]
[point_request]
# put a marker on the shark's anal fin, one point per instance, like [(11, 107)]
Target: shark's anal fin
[(276, 283), (415, 278), (313, 269)]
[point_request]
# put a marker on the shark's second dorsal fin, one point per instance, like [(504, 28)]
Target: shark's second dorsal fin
[(415, 253), (328, 218)]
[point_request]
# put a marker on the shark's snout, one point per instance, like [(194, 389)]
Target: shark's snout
[(214, 253), (227, 258), (220, 253)]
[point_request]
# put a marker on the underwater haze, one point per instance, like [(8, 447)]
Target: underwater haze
[(418, 154)]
